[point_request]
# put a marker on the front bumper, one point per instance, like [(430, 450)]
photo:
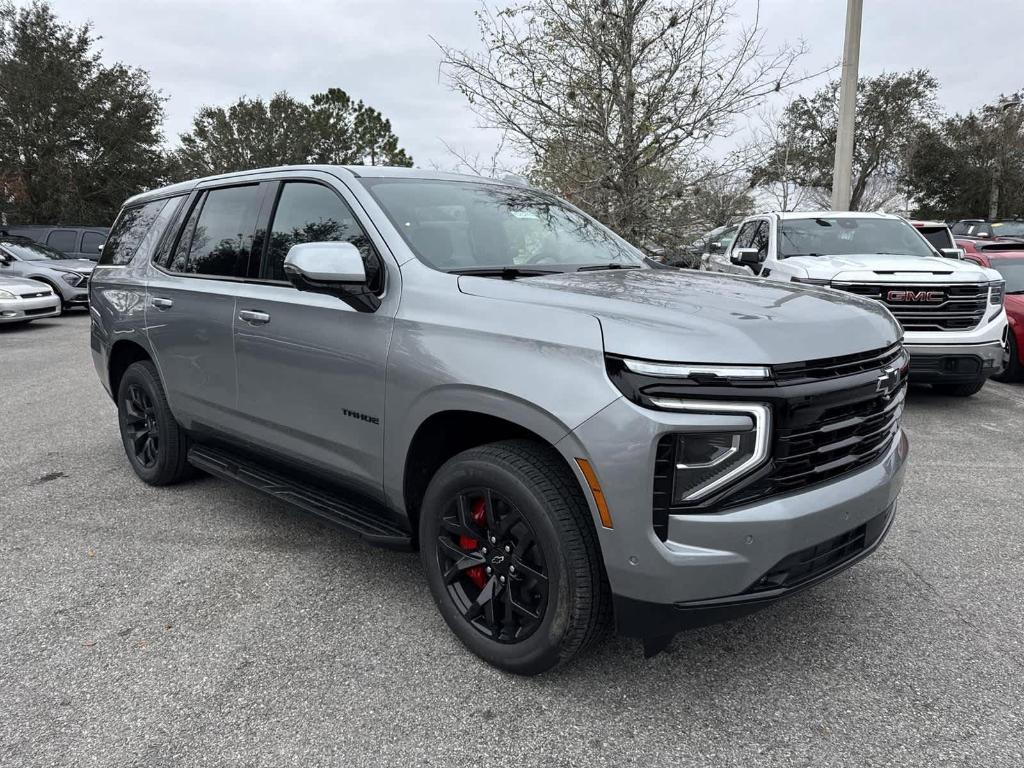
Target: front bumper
[(954, 363), (710, 561), (20, 310)]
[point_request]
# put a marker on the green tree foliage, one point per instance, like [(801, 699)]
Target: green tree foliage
[(76, 137), (892, 109), (971, 166), (251, 133)]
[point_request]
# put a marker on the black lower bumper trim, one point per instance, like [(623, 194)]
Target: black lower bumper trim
[(654, 621), (952, 369)]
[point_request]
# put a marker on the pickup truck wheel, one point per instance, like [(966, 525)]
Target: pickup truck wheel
[(960, 390), (511, 556), (156, 446), (1012, 369)]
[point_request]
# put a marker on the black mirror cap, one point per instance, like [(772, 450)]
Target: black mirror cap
[(356, 295)]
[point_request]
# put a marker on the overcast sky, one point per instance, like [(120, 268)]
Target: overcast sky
[(202, 52)]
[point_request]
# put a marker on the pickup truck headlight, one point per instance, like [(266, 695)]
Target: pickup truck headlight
[(996, 291), (71, 278), (7, 295), (708, 461)]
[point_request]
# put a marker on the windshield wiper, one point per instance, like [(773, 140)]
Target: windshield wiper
[(596, 267), (505, 273)]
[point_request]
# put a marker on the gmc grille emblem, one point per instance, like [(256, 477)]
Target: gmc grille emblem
[(915, 296)]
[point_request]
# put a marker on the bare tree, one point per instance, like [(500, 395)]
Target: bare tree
[(615, 102)]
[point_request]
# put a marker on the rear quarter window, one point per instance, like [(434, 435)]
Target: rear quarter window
[(63, 240), (128, 231)]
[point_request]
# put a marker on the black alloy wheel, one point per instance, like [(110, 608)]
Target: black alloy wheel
[(156, 445), (510, 552), (492, 565), (141, 426)]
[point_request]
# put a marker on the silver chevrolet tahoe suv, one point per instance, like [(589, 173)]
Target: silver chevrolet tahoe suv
[(568, 433)]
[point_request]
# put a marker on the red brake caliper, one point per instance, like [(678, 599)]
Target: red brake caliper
[(469, 544)]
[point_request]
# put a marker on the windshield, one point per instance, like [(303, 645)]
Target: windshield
[(843, 236), (458, 225), (31, 251), (1012, 271), (1008, 229)]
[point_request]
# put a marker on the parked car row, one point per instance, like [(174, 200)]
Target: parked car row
[(66, 278)]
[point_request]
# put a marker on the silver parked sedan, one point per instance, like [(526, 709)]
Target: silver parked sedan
[(23, 300), (69, 278)]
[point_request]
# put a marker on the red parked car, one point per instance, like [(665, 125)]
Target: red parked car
[(1007, 259)]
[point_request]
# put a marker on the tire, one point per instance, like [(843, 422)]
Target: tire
[(960, 390), (1013, 371), (142, 410), (531, 493)]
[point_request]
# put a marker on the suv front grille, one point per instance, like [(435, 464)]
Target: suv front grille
[(927, 307), (823, 443), (833, 367)]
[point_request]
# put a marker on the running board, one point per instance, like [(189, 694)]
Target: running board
[(369, 522)]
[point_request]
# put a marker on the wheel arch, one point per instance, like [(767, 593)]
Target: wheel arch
[(445, 432), (122, 354)]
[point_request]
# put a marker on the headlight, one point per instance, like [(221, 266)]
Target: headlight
[(811, 280), (7, 295), (71, 278), (707, 461), (996, 291)]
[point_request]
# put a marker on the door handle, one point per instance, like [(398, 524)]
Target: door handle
[(254, 317), (161, 303)]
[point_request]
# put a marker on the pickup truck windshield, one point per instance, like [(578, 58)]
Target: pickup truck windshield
[(460, 226), (1008, 229), (846, 236)]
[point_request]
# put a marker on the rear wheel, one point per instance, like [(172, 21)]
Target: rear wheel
[(1012, 369), (960, 390), (155, 444), (511, 556)]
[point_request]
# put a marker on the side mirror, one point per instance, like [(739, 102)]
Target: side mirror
[(953, 253), (332, 268), (99, 248), (715, 246), (746, 257)]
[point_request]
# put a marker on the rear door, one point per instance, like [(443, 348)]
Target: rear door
[(310, 367), (191, 305)]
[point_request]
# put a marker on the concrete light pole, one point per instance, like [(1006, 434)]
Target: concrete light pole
[(842, 173)]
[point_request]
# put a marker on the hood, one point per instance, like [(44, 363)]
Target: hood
[(82, 266), (21, 287), (883, 268), (706, 317)]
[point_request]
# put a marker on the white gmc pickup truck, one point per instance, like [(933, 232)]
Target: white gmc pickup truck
[(951, 311)]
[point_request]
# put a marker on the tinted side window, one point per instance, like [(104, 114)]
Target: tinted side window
[(222, 235), (180, 255), (311, 213), (746, 235), (63, 240), (126, 234), (91, 242)]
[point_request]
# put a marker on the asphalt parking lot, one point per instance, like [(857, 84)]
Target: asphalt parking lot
[(205, 624)]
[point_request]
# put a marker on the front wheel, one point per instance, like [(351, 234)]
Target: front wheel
[(960, 390), (1012, 369), (511, 556)]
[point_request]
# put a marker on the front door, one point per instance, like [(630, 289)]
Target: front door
[(311, 368)]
